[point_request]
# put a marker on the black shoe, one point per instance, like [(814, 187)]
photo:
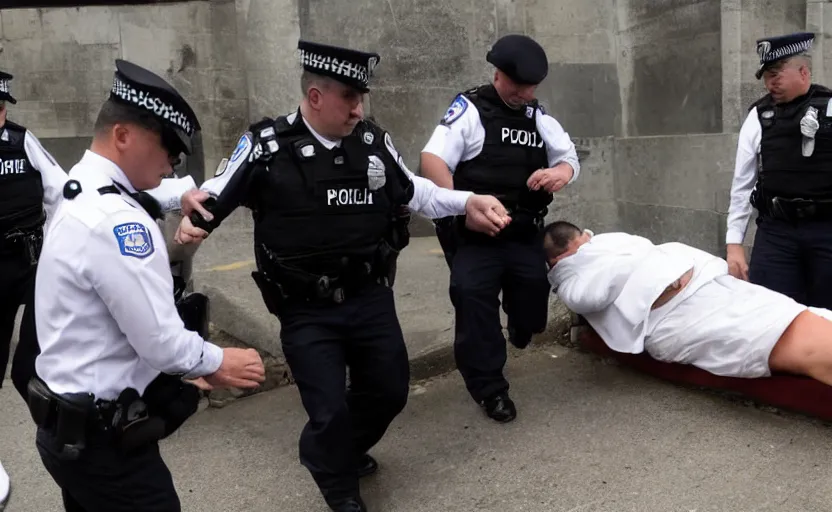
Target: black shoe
[(349, 505), (500, 408), (519, 339), (367, 465)]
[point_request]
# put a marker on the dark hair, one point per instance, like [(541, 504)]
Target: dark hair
[(113, 112), (557, 236)]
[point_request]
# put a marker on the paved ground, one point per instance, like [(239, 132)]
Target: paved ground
[(590, 437)]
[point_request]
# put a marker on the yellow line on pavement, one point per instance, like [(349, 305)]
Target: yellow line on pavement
[(436, 251), (231, 266)]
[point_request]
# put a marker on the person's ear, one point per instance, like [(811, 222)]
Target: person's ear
[(315, 98), (122, 136)]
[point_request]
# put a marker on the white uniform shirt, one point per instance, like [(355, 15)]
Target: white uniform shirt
[(464, 135), (169, 192), (104, 308), (428, 199), (745, 177), (52, 175)]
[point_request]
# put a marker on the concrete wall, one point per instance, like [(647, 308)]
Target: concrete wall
[(63, 62), (654, 90)]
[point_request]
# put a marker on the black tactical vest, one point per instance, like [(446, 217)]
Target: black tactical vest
[(21, 187), (784, 171), (512, 151), (316, 206)]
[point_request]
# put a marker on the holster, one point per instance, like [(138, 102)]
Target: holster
[(271, 291), (391, 247), (137, 421), (448, 236), (67, 418), (25, 241), (194, 310)]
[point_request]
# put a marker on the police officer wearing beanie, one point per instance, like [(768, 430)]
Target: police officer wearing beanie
[(30, 187), (111, 377), (783, 162), (497, 139), (330, 194)]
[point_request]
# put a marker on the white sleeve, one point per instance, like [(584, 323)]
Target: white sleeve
[(745, 176), (52, 175), (456, 138), (169, 192), (559, 146), (133, 278), (581, 298), (429, 199)]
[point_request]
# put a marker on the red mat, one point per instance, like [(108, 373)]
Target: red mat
[(789, 392)]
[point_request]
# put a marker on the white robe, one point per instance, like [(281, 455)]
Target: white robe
[(718, 323)]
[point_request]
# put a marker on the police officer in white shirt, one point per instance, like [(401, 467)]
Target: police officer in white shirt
[(783, 161), (497, 139), (327, 189), (115, 354)]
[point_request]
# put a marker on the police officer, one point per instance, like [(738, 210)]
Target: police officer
[(114, 351), (327, 189), (783, 162), (30, 187), (497, 139)]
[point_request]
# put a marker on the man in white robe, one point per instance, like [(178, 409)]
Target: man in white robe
[(681, 305)]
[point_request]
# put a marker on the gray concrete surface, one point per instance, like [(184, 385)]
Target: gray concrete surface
[(589, 437)]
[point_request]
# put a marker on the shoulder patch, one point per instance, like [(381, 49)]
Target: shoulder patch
[(242, 149), (134, 239), (455, 111)]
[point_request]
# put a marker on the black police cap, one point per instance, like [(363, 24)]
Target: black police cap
[(350, 67), (520, 57), (5, 88), (774, 49), (137, 87)]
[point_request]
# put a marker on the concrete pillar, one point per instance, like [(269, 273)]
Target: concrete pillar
[(816, 22), (732, 51)]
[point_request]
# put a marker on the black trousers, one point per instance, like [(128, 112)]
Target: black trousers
[(320, 342), (17, 287), (480, 269), (794, 259), (103, 480)]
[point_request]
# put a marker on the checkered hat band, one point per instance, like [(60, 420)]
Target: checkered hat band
[(789, 49), (334, 65), (4, 86), (153, 104)]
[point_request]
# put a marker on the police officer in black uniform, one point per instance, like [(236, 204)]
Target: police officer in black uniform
[(30, 187), (330, 197), (784, 170), (497, 139)]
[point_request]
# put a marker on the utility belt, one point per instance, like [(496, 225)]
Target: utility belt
[(281, 283), (791, 210), (25, 241), (75, 421)]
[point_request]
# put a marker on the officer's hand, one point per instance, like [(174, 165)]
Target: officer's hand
[(187, 233), (737, 264), (192, 200), (551, 180), (485, 214), (240, 368)]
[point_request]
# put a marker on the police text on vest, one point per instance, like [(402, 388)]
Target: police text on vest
[(521, 137), (16, 166), (348, 196)]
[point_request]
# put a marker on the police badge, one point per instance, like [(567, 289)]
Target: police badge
[(376, 175)]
